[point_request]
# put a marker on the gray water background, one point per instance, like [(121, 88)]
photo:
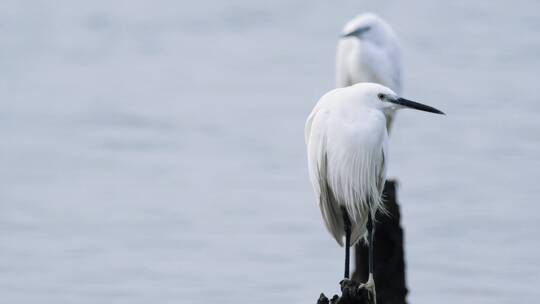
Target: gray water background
[(152, 151)]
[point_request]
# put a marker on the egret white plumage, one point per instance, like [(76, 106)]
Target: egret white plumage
[(347, 145), (369, 51)]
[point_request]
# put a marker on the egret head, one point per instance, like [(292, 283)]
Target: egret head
[(368, 26), (384, 99)]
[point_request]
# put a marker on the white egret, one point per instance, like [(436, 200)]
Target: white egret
[(347, 145), (369, 51)]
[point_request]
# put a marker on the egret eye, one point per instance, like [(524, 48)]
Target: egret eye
[(381, 96)]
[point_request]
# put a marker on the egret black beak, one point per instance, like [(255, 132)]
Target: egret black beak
[(416, 105), (356, 33)]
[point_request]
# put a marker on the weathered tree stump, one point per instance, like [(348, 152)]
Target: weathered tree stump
[(389, 261)]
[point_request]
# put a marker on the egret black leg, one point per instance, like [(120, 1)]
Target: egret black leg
[(347, 224), (370, 284), (371, 231)]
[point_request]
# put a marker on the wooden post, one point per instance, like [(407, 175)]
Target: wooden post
[(389, 261)]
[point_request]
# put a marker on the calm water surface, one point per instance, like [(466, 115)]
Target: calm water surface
[(153, 151)]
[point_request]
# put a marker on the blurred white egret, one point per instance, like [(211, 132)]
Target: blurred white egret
[(347, 145), (369, 51)]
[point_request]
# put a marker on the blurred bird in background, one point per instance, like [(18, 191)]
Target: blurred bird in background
[(369, 51)]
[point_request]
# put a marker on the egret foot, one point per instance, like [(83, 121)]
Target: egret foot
[(369, 286), (351, 293)]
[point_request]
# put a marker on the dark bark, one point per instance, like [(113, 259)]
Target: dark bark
[(389, 261)]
